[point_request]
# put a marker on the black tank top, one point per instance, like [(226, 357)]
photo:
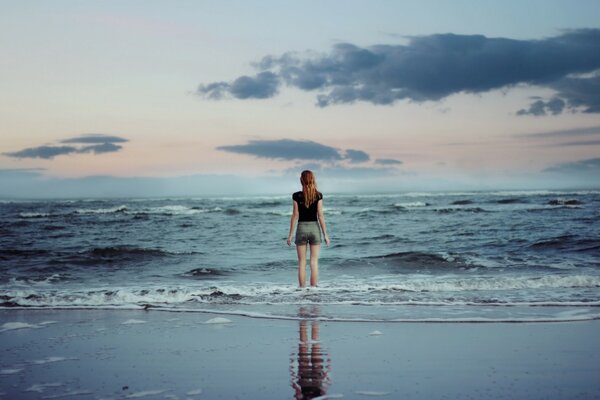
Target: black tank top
[(306, 214)]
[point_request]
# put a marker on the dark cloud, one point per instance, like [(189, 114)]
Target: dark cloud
[(100, 148), (387, 161), (356, 156), (45, 152), (263, 85), (286, 149), (583, 167), (433, 67), (581, 92), (554, 106), (577, 143), (103, 144), (591, 130), (95, 138)]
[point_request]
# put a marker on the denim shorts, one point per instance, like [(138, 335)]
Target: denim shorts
[(308, 232)]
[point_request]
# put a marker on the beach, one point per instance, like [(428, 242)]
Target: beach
[(117, 354)]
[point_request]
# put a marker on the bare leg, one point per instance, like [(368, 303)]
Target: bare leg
[(301, 250), (314, 264)]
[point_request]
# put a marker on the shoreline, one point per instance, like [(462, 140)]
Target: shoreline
[(119, 354), (316, 315)]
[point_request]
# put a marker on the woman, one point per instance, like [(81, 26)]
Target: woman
[(308, 211)]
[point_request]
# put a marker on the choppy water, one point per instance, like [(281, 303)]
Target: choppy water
[(481, 256)]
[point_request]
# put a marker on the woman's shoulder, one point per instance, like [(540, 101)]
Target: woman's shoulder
[(319, 196), (297, 195)]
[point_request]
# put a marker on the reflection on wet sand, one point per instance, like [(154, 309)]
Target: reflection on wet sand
[(308, 367)]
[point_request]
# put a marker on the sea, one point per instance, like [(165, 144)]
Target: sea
[(504, 256)]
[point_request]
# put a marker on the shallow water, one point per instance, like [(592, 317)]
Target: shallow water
[(480, 256)]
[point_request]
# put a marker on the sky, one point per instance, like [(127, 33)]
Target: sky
[(154, 98)]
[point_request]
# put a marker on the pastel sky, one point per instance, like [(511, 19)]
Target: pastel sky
[(210, 97)]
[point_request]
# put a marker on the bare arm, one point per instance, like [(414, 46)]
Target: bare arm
[(322, 221), (293, 220)]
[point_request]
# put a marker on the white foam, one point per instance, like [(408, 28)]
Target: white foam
[(411, 204), (178, 210), (11, 326), (194, 392), (329, 396), (10, 371), (144, 393), (133, 322), (102, 210), (218, 320), (375, 333), (34, 215)]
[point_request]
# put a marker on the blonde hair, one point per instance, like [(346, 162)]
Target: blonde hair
[(309, 187)]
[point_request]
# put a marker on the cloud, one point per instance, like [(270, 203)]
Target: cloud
[(263, 85), (95, 138), (591, 130), (576, 143), (103, 144), (286, 149), (356, 156), (387, 161), (433, 67), (45, 152), (583, 167), (554, 106), (100, 148), (580, 92)]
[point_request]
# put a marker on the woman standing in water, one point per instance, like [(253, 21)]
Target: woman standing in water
[(308, 212)]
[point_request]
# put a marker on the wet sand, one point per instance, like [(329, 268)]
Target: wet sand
[(119, 354)]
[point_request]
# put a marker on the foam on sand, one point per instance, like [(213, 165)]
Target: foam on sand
[(11, 326), (145, 393), (218, 320), (371, 393), (10, 371), (133, 322), (69, 394), (41, 387), (194, 392), (375, 333), (48, 360)]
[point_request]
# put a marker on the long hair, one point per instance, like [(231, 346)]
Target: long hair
[(309, 187)]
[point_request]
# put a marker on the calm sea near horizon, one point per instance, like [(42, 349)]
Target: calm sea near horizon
[(468, 256)]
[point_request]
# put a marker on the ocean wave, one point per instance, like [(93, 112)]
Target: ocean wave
[(412, 204), (9, 253), (110, 210), (411, 260), (35, 215), (567, 242), (204, 273), (448, 292), (460, 209), (510, 201), (564, 202), (461, 202)]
